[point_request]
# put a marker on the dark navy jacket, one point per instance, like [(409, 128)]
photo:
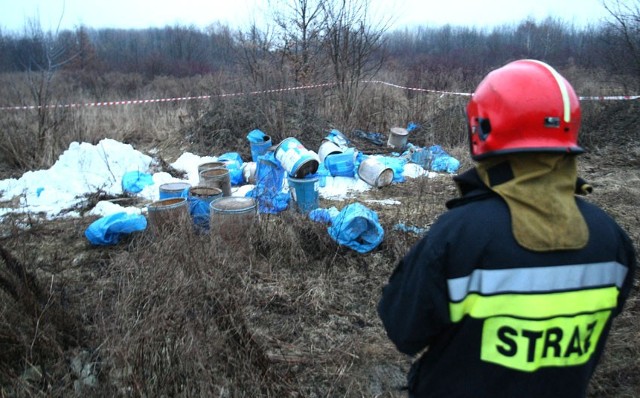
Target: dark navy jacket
[(499, 320)]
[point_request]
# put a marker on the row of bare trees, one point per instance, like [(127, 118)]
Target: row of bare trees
[(335, 42)]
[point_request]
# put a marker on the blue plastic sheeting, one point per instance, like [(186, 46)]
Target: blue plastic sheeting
[(412, 126), (433, 158), (110, 229), (234, 163), (269, 191), (135, 181), (357, 227), (338, 138), (322, 173), (324, 215), (376, 138), (442, 161), (200, 212), (256, 136)]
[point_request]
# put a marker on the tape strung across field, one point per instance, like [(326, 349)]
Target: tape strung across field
[(204, 97)]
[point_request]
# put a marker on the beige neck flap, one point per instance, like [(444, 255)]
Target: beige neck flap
[(539, 190)]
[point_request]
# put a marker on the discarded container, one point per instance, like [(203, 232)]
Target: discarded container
[(375, 173), (217, 178), (232, 217), (174, 190), (249, 170), (204, 193), (167, 215), (210, 165), (422, 157), (297, 160), (341, 164), (398, 138), (304, 192), (327, 148), (260, 148)]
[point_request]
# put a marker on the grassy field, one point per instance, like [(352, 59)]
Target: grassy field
[(281, 310)]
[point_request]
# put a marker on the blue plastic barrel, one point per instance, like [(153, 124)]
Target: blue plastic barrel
[(174, 190), (304, 192), (341, 164), (260, 148), (297, 160)]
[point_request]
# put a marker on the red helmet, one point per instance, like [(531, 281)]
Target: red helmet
[(525, 106)]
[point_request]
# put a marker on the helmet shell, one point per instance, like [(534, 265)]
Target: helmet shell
[(524, 106)]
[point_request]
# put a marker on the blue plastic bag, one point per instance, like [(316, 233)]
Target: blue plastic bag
[(324, 215), (269, 189), (233, 162), (442, 161), (109, 229), (357, 227), (200, 212), (135, 181), (256, 136), (412, 126)]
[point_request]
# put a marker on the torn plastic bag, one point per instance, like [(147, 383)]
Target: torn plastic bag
[(135, 181), (233, 162), (357, 227), (108, 230)]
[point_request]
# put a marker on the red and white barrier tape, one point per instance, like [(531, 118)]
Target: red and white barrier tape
[(203, 97)]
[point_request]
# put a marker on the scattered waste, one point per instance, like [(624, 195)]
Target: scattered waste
[(409, 228), (304, 193), (280, 176), (376, 138), (338, 138), (132, 182), (269, 189), (357, 227), (174, 190), (297, 160), (375, 173), (322, 215), (342, 164), (433, 158), (233, 162), (108, 230), (398, 138), (259, 142)]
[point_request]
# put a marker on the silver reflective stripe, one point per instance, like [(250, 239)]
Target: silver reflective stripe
[(537, 279)]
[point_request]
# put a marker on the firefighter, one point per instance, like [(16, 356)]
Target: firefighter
[(512, 291)]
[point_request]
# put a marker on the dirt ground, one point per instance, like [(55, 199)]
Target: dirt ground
[(312, 311)]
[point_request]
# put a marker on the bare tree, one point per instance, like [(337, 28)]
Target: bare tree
[(41, 64), (353, 46), (623, 37)]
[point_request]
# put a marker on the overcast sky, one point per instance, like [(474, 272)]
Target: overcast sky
[(237, 13)]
